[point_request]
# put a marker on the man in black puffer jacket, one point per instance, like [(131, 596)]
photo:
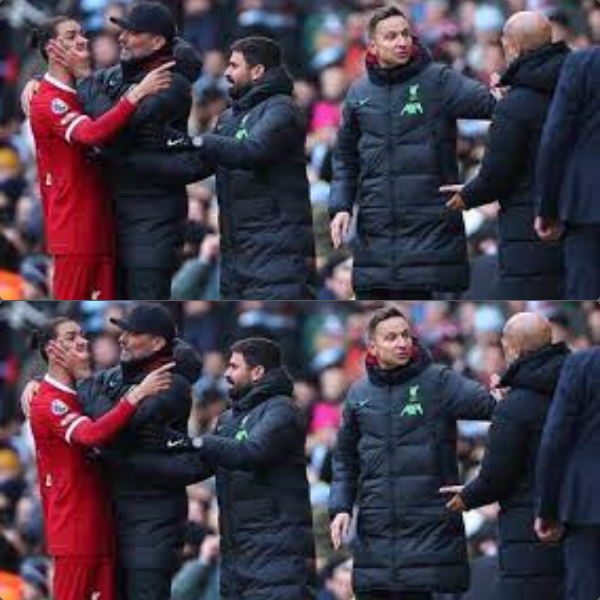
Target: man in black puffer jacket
[(530, 269), (395, 148), (529, 569), (258, 154), (150, 214), (396, 444), (257, 452), (150, 520)]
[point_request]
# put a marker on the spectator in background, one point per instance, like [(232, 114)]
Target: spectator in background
[(406, 245), (529, 268)]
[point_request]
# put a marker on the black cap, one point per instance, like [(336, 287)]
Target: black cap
[(148, 17), (148, 318)]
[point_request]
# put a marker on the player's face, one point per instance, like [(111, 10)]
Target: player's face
[(138, 346), (238, 375), (239, 74), (137, 45), (392, 42), (70, 35), (392, 343), (70, 336)]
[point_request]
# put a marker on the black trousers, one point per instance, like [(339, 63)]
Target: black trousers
[(582, 264), (144, 284), (394, 596), (582, 562), (384, 294), (144, 584)]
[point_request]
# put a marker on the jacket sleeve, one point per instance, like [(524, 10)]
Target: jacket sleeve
[(172, 471), (172, 405), (465, 98), (267, 441), (505, 159), (173, 103), (266, 143), (503, 463), (464, 398), (346, 164), (558, 137), (345, 465), (171, 169), (558, 437)]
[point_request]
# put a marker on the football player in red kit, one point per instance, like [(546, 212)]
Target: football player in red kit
[(75, 498), (77, 205)]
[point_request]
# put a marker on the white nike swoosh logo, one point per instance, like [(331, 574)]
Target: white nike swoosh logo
[(177, 142), (174, 444)]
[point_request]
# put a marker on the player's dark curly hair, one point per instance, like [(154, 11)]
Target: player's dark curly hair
[(45, 32), (41, 337)]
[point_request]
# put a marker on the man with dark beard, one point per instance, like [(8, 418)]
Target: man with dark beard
[(396, 444), (258, 154), (257, 453), (150, 215), (529, 569)]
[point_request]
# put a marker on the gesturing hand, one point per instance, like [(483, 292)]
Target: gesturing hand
[(340, 529)]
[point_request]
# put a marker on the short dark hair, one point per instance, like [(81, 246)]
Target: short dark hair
[(382, 14), (47, 31), (259, 352), (258, 50), (382, 315), (41, 337)]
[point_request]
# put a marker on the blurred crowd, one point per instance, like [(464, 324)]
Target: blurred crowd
[(324, 348), (324, 44)]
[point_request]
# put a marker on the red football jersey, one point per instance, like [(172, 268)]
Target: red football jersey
[(76, 498), (77, 204)]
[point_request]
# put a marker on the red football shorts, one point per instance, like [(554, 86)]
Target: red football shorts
[(84, 578), (84, 277)]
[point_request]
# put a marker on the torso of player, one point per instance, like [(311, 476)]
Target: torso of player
[(75, 494), (77, 203)]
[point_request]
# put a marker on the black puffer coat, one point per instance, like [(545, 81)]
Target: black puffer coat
[(264, 508), (395, 148), (150, 519), (150, 214), (265, 219), (529, 568), (529, 268), (265, 521), (396, 448)]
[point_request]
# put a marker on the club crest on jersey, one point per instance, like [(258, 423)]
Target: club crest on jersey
[(59, 408), (59, 107)]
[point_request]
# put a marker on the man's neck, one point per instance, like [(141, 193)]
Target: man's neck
[(61, 74), (61, 375)]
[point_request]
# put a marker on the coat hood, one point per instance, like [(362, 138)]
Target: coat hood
[(274, 82), (538, 371), (275, 382), (380, 76), (538, 70), (384, 377)]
